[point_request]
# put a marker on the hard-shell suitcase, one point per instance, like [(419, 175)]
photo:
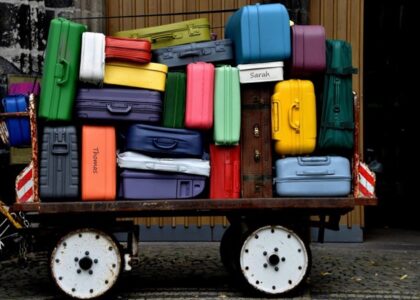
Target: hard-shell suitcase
[(308, 54), (114, 104), (225, 164), (132, 50), (200, 91), (337, 119), (227, 106), (160, 185), (164, 142), (18, 128), (313, 176), (61, 69), (24, 88), (256, 149), (59, 163), (260, 33), (133, 160), (148, 76), (92, 58), (262, 72), (293, 117), (98, 163), (178, 56), (174, 101), (190, 31)]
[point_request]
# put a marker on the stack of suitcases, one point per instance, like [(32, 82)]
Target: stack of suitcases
[(168, 113)]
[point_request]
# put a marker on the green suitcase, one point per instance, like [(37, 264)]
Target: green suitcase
[(191, 31), (174, 101), (337, 119), (227, 106), (61, 70)]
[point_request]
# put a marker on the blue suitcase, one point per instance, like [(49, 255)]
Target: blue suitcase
[(316, 176), (19, 129), (164, 142), (260, 33)]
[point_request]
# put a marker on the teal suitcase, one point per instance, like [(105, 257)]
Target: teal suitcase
[(61, 70), (174, 101), (227, 106)]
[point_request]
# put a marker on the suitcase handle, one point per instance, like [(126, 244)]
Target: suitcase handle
[(164, 145), (118, 110), (166, 167), (167, 36), (295, 126), (313, 161), (189, 53), (315, 173), (60, 149), (66, 68), (275, 117)]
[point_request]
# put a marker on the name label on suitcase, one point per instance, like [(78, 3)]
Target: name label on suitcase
[(263, 72)]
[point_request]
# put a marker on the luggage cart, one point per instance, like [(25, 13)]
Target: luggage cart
[(266, 246)]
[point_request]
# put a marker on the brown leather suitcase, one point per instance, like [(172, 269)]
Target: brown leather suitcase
[(256, 166)]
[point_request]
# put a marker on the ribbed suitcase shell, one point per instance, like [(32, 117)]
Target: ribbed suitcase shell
[(294, 117), (256, 148), (200, 91), (160, 185), (59, 164), (174, 101), (132, 160), (161, 141), (225, 164), (92, 58), (148, 76), (178, 56), (114, 104), (99, 163), (24, 88), (18, 128), (262, 72), (316, 176), (260, 33), (61, 69), (132, 50), (308, 44), (227, 106), (190, 31)]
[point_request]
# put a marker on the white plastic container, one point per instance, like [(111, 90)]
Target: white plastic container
[(92, 58)]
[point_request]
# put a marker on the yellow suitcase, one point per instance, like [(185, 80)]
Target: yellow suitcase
[(148, 76), (191, 31), (293, 117)]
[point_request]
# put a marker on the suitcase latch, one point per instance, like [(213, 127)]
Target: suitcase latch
[(257, 155), (192, 31), (256, 130)]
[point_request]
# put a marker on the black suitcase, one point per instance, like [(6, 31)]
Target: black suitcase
[(59, 164)]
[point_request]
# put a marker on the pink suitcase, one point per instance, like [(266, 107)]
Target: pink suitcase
[(199, 102)]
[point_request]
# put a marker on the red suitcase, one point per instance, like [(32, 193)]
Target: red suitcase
[(134, 50), (225, 172), (199, 100)]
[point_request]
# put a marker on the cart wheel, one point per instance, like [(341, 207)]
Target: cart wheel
[(274, 260), (85, 263), (229, 247)]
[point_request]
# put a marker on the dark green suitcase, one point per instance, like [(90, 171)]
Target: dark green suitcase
[(61, 69), (337, 119), (174, 101)]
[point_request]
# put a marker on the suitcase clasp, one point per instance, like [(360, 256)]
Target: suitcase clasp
[(257, 155), (192, 31), (256, 130)]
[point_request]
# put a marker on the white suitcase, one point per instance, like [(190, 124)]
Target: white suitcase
[(262, 72), (133, 160), (92, 58)]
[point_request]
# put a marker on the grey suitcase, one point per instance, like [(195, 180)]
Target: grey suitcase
[(59, 164), (178, 56), (327, 176)]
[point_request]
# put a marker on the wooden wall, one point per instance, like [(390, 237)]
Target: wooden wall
[(342, 19)]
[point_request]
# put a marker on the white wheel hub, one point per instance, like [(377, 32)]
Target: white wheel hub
[(274, 259), (85, 263)]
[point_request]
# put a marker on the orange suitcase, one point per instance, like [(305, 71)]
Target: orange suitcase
[(98, 163)]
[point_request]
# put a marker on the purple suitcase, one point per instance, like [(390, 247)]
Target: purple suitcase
[(114, 104), (160, 185), (308, 44), (24, 88)]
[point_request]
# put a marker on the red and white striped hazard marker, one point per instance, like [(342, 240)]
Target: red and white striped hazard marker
[(24, 185), (366, 181)]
